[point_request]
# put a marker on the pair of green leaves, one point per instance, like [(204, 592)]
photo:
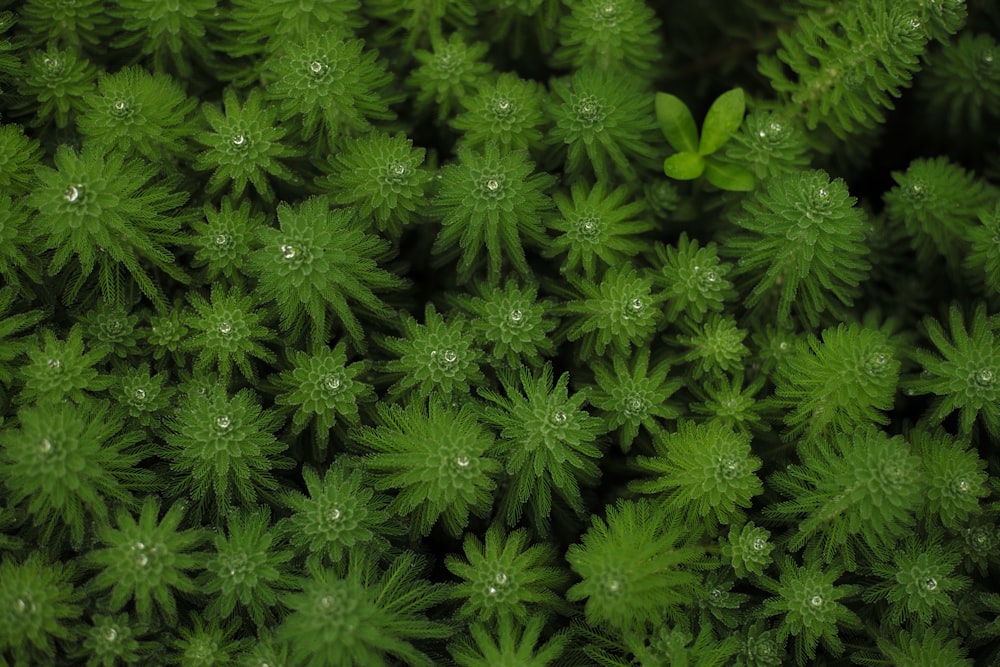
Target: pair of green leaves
[(693, 156)]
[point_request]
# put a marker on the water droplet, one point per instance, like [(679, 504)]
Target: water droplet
[(984, 377), (316, 67), (501, 578), (332, 382), (988, 57), (931, 583), (140, 394), (45, 446), (119, 105), (915, 24), (759, 543), (493, 185), (559, 417), (823, 193), (783, 345), (334, 514), (288, 251), (711, 276), (635, 304), (71, 194), (614, 586), (239, 139), (761, 133), (962, 486), (225, 328), (325, 601), (142, 560), (492, 590), (54, 364), (816, 601), (398, 168), (503, 104), (51, 63), (449, 356), (223, 422), (222, 239), (111, 634), (462, 461), (516, 315), (775, 127), (20, 606)]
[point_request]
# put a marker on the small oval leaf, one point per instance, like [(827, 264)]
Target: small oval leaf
[(729, 177), (723, 118), (684, 166), (677, 123)]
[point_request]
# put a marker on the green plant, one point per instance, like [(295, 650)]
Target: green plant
[(702, 469), (244, 146), (801, 247), (339, 513), (437, 457), (964, 375), (427, 332), (37, 599), (490, 199), (222, 450), (546, 443), (147, 562), (692, 158), (317, 262), (69, 462), (102, 209), (635, 566), (810, 605), (248, 569), (504, 578), (363, 615), (851, 489)]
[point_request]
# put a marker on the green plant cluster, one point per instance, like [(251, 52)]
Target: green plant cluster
[(499, 332)]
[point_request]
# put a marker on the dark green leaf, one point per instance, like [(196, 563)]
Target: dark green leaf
[(729, 177), (677, 123), (684, 166), (723, 118)]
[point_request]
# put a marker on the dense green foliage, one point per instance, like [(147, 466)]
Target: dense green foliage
[(483, 333)]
